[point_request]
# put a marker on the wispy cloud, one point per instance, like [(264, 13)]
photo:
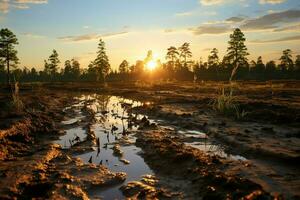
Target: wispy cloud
[(89, 37), (290, 28), (184, 14), (271, 1), (211, 29), (31, 35), (279, 21), (31, 1), (271, 21), (235, 19), (283, 39), (5, 5), (212, 2)]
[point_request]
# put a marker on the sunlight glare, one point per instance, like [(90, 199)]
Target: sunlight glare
[(151, 65)]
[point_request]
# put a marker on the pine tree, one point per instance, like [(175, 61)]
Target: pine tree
[(286, 61), (185, 53), (46, 67), (297, 63), (75, 69), (124, 67), (149, 57), (8, 54), (260, 66), (53, 63), (68, 70), (237, 50), (101, 62), (172, 56), (213, 59)]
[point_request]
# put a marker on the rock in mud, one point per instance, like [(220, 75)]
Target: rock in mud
[(117, 150), (140, 190), (126, 162)]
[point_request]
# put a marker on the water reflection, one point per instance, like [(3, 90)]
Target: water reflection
[(113, 123)]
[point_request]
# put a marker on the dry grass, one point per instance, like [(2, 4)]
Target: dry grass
[(16, 105), (226, 104)]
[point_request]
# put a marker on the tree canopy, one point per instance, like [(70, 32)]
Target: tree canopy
[(8, 54)]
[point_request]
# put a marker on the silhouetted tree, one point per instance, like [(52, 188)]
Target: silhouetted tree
[(33, 75), (286, 62), (172, 56), (46, 68), (8, 54), (139, 68), (213, 61), (185, 53), (260, 66), (149, 57), (52, 65), (92, 72), (75, 70), (271, 66), (101, 63), (2, 70), (67, 70), (124, 67), (297, 63), (237, 50)]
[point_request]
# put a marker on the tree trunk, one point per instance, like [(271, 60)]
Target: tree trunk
[(7, 65), (233, 72)]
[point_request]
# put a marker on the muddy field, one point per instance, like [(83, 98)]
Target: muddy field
[(150, 141)]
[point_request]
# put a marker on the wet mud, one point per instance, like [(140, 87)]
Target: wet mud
[(159, 142)]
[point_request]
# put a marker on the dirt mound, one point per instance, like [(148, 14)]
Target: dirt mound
[(171, 158)]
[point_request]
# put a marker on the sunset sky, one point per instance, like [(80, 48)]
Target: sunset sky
[(132, 27)]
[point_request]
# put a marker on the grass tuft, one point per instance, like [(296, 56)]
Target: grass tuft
[(16, 104), (226, 104)]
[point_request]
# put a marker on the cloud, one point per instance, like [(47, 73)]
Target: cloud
[(283, 39), (271, 21), (211, 29), (80, 37), (276, 22), (235, 19), (5, 5), (289, 28), (31, 1), (89, 37), (212, 2), (184, 14), (31, 35), (271, 1)]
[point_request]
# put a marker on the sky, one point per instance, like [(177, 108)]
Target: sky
[(132, 27)]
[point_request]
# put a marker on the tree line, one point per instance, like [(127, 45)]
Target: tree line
[(178, 65)]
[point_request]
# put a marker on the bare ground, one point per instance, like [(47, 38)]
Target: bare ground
[(268, 136)]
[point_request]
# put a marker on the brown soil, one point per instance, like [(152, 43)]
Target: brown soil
[(268, 136)]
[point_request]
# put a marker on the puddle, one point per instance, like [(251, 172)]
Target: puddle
[(114, 123), (67, 140), (203, 143)]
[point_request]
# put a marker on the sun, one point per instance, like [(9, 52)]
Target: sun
[(151, 65)]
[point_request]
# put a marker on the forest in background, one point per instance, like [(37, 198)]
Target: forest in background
[(178, 66)]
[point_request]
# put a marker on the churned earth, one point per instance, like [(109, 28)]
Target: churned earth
[(151, 141)]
